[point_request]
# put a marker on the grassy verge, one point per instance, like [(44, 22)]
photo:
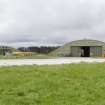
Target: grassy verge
[(37, 56), (76, 84)]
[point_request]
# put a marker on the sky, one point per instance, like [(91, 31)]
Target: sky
[(50, 22)]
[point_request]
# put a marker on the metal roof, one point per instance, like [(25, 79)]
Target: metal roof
[(86, 42)]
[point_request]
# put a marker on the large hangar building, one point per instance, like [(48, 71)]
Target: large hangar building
[(81, 48)]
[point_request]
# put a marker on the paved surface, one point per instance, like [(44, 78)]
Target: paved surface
[(49, 61)]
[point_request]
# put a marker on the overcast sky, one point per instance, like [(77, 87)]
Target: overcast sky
[(51, 22)]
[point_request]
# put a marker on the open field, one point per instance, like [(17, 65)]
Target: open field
[(76, 84)]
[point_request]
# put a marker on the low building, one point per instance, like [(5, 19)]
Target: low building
[(81, 48)]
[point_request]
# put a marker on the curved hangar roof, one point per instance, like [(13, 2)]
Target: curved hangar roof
[(86, 42), (66, 49)]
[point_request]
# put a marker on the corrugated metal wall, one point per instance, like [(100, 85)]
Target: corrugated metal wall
[(95, 51), (75, 51)]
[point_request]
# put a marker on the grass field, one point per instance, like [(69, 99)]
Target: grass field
[(75, 84)]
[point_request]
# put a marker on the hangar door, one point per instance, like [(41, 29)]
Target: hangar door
[(96, 51), (75, 51)]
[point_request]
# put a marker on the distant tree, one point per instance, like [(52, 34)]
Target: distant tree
[(41, 50), (23, 49)]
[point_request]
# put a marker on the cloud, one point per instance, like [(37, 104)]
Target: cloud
[(51, 21)]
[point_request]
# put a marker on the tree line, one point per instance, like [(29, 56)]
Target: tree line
[(41, 50)]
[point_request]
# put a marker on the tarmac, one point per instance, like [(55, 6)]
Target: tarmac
[(54, 61)]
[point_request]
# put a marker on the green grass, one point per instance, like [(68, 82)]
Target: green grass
[(35, 56), (75, 84)]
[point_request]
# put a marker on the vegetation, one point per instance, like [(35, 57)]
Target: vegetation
[(34, 56), (40, 50), (74, 84), (25, 52)]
